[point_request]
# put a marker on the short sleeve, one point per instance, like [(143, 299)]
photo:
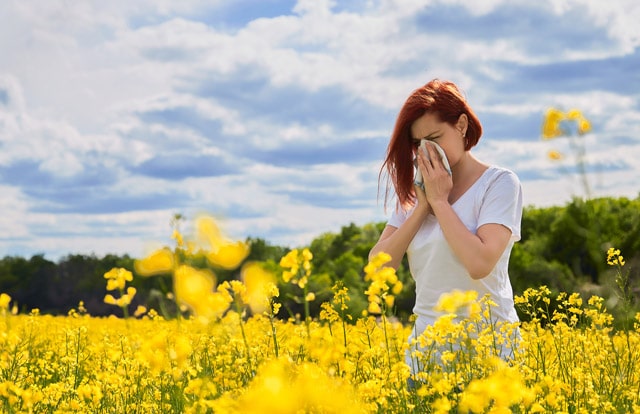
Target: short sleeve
[(398, 217), (502, 203)]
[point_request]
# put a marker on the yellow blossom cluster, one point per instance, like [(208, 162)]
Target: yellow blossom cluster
[(195, 288), (298, 267), (565, 357), (117, 279), (551, 127), (614, 257), (384, 286), (87, 364)]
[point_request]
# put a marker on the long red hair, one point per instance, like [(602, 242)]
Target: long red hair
[(442, 98)]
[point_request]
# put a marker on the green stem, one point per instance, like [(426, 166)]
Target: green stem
[(306, 311), (386, 335), (244, 336), (273, 334)]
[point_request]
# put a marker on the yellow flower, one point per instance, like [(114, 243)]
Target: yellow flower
[(177, 236), (584, 125), (456, 299), (307, 255), (4, 301), (553, 118), (110, 300), (554, 155), (287, 276), (302, 282), (140, 310), (181, 350), (614, 258), (374, 308), (194, 288), (114, 284), (280, 386), (208, 233), (376, 262), (310, 297), (389, 300), (290, 260), (229, 255), (574, 114), (260, 286), (117, 278), (160, 261), (551, 125)]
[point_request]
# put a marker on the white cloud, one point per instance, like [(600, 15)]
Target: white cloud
[(93, 91)]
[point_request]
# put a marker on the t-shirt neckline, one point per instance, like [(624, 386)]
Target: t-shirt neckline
[(471, 187)]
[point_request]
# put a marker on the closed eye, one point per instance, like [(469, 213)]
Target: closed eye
[(416, 142)]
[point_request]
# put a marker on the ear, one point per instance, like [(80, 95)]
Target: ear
[(462, 124)]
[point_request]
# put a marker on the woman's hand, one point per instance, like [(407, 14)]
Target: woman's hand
[(422, 204), (437, 181)]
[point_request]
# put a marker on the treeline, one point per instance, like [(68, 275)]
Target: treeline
[(562, 247)]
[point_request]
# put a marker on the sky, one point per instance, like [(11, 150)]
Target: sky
[(274, 115)]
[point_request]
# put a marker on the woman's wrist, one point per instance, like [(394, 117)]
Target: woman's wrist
[(438, 205), (423, 209)]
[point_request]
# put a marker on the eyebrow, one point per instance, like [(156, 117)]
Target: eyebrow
[(431, 135)]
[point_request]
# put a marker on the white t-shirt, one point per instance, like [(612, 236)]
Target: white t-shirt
[(496, 197)]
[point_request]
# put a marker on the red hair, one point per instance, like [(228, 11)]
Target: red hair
[(442, 98)]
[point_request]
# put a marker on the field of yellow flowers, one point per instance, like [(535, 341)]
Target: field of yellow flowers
[(229, 352)]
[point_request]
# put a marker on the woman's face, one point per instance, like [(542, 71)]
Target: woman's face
[(450, 138)]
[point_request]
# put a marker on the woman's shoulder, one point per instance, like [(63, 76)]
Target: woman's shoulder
[(497, 173)]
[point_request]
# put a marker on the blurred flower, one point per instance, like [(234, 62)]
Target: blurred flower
[(554, 118), (140, 310), (456, 300), (554, 155), (284, 387), (208, 233), (4, 301), (117, 278), (551, 125), (160, 261), (583, 123), (571, 124), (228, 255), (177, 236), (260, 286), (195, 289), (109, 299)]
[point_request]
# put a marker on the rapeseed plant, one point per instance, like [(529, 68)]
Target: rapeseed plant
[(573, 125), (117, 279), (564, 358), (297, 270)]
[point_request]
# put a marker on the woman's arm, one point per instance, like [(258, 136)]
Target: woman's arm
[(479, 252)]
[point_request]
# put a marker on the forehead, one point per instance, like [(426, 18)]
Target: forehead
[(425, 125)]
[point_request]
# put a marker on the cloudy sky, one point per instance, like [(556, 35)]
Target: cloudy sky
[(274, 115)]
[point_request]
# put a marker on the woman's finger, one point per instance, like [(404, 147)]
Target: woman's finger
[(434, 156)]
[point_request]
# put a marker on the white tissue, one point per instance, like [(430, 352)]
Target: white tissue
[(443, 157)]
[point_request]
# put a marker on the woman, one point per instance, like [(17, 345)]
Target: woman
[(457, 229)]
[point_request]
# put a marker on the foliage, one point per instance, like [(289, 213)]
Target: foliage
[(554, 251), (565, 359)]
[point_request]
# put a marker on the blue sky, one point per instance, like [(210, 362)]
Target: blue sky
[(274, 115)]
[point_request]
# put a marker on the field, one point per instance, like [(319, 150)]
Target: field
[(229, 351)]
